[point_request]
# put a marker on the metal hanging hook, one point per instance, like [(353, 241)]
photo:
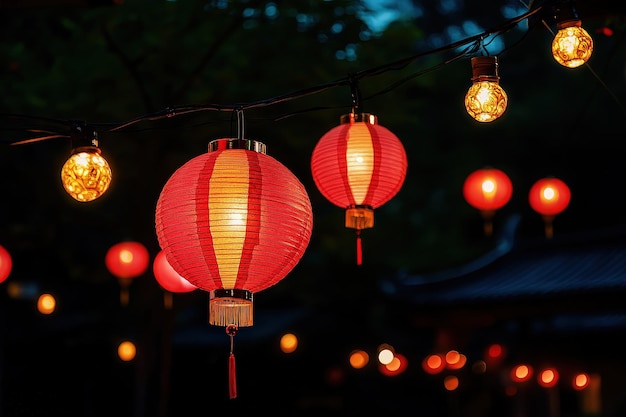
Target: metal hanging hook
[(240, 124)]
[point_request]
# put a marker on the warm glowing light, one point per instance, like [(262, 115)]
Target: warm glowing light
[(572, 45), (86, 175), (288, 343), (494, 354), (451, 383), (521, 373), (233, 221), (487, 190), (126, 351), (398, 365), (452, 357), (359, 166), (495, 350), (580, 381), (127, 259), (359, 359), (485, 100), (46, 304), (458, 363), (6, 264), (385, 356), (548, 377), (433, 364), (549, 196)]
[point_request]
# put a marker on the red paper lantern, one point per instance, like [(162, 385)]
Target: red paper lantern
[(127, 260), (549, 196), (487, 190), (359, 166), (233, 222), (168, 278), (6, 264)]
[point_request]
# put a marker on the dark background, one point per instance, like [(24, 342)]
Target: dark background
[(106, 63)]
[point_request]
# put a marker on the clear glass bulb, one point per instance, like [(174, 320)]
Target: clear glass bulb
[(485, 100), (86, 175), (572, 46)]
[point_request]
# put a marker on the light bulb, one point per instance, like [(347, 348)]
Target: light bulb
[(572, 46), (86, 175), (485, 100)]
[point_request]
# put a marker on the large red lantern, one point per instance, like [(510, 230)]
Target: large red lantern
[(233, 222), (126, 261), (6, 264), (359, 166), (169, 279), (487, 190), (549, 196)]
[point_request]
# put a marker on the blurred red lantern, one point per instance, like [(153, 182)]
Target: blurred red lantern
[(487, 190), (359, 166), (6, 264), (549, 196), (127, 260), (233, 221), (169, 279)]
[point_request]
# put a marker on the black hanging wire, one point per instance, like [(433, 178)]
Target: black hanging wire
[(470, 45)]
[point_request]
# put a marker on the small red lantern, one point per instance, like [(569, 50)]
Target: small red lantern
[(169, 279), (549, 196), (359, 166), (233, 221), (127, 260), (6, 264), (487, 190)]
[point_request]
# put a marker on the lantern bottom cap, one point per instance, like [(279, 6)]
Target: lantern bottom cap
[(231, 307), (360, 217)]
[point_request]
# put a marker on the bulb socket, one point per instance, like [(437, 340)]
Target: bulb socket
[(485, 68)]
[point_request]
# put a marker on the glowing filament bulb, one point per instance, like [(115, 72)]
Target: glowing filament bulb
[(572, 46), (86, 175), (485, 100)]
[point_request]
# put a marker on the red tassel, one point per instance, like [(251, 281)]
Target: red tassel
[(359, 249), (232, 377)]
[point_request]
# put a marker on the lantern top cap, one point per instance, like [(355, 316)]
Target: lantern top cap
[(359, 117), (233, 143)]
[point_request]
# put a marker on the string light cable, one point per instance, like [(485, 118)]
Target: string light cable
[(463, 49)]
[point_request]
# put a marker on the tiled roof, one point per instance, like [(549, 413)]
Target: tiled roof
[(583, 264)]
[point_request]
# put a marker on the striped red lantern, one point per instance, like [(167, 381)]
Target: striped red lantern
[(549, 196), (359, 165), (233, 222), (487, 190)]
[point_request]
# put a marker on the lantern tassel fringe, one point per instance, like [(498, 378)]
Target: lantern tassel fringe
[(232, 377), (359, 248), (231, 330)]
